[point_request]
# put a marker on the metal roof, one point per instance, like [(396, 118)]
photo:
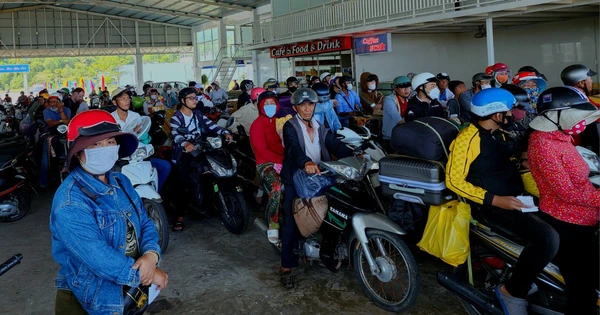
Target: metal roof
[(178, 13)]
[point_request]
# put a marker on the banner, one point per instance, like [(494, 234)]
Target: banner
[(373, 44), (311, 48)]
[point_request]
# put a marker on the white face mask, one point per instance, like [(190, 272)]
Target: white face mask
[(132, 90), (349, 86), (486, 86), (98, 161), (434, 93), (169, 91), (372, 86), (154, 97)]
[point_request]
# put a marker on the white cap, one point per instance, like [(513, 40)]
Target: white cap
[(57, 95), (324, 75)]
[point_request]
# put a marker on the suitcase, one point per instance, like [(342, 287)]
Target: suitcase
[(427, 138), (414, 180)]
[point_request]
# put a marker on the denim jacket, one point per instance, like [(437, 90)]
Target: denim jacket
[(88, 239)]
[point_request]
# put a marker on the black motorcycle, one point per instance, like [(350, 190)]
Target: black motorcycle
[(216, 169), (356, 230), (15, 187)]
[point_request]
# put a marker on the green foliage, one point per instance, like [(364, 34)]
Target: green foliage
[(172, 58), (204, 79)]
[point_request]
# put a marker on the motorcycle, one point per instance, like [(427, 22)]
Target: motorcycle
[(356, 230), (494, 252), (216, 168), (144, 178), (15, 187)]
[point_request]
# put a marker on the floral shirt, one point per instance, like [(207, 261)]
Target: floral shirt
[(561, 174)]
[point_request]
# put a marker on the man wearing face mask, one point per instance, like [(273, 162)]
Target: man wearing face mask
[(268, 151), (348, 102), (54, 115), (480, 168), (425, 103), (190, 115), (445, 93), (244, 98), (169, 96), (98, 223), (218, 96), (395, 105), (292, 86), (480, 81), (370, 99), (306, 144), (153, 103)]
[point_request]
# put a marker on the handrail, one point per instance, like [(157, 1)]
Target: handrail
[(346, 14), (226, 58)]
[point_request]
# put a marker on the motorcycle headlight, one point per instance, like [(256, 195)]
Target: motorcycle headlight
[(348, 172), (139, 154), (215, 143)]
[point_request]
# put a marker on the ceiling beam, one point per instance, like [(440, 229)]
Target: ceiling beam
[(117, 4), (222, 5), (31, 7)]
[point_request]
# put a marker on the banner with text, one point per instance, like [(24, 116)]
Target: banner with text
[(373, 44), (311, 48)]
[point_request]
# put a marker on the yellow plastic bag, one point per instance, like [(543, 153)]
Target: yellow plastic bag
[(529, 184), (446, 234)]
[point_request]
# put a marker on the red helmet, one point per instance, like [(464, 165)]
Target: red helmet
[(498, 67), (255, 92), (91, 126), (489, 70)]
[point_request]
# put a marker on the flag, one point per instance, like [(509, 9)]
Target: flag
[(93, 87), (102, 83), (82, 83)]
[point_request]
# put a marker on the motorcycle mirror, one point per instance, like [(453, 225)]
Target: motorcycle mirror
[(62, 129), (183, 130)]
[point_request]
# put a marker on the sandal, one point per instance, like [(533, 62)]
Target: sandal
[(287, 280), (178, 226), (273, 235)]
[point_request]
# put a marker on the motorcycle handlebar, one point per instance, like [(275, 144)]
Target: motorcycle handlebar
[(7, 265)]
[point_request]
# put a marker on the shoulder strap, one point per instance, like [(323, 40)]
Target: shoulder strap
[(86, 191), (447, 121), (128, 197)]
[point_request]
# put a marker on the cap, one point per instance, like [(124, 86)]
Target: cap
[(199, 86)]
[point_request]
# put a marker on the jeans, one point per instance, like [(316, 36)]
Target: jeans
[(163, 168), (45, 163), (290, 234), (577, 259), (541, 244)]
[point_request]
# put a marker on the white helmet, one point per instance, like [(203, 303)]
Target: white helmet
[(422, 78)]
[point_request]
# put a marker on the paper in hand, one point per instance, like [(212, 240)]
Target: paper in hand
[(152, 293), (528, 202)]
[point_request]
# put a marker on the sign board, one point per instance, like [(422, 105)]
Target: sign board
[(14, 68), (373, 44), (239, 62), (311, 48)]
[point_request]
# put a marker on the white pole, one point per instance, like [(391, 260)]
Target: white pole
[(489, 27), (25, 84)]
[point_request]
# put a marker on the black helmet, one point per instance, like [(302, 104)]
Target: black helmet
[(322, 91), (314, 77), (563, 97), (302, 95), (246, 85), (572, 74), (442, 76), (290, 80), (481, 76), (519, 93), (266, 94)]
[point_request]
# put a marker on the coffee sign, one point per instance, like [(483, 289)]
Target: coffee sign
[(312, 48), (373, 44)]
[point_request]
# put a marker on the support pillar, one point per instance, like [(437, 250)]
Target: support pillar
[(489, 28), (255, 64), (25, 84), (139, 72), (222, 33)]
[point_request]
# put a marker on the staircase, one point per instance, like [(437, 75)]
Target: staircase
[(225, 64)]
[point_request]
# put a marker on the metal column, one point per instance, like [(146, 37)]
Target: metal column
[(255, 65), (489, 27), (139, 64)]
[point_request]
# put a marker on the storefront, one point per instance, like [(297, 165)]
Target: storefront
[(333, 55)]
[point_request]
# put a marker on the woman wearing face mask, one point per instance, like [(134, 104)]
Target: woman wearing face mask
[(568, 200), (425, 103), (101, 236), (370, 99), (533, 82), (269, 152), (501, 73)]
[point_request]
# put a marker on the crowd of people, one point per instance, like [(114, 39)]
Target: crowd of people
[(508, 123)]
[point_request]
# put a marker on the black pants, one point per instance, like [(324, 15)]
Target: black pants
[(577, 259), (185, 185), (290, 234), (541, 244)]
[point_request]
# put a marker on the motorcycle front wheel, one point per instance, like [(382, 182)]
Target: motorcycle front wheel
[(156, 213), (22, 198), (397, 286), (233, 210)]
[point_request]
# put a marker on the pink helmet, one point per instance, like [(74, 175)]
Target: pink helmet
[(255, 92)]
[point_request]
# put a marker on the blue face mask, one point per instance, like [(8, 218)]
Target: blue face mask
[(533, 96), (54, 109), (270, 110)]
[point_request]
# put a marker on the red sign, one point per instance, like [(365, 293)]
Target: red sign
[(311, 48)]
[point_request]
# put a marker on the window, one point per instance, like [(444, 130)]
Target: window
[(208, 44)]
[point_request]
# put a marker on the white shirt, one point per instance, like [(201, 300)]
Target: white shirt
[(131, 116), (312, 149), (218, 97)]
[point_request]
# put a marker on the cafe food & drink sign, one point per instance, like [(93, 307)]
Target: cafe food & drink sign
[(311, 48)]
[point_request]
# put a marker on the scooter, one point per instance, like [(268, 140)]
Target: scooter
[(144, 178), (216, 169), (356, 230), (15, 187), (360, 136), (494, 252)]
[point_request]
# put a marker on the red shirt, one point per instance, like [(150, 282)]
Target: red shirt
[(403, 105), (561, 175), (265, 140)]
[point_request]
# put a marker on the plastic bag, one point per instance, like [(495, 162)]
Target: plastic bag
[(529, 184), (446, 234), (25, 124), (308, 186)]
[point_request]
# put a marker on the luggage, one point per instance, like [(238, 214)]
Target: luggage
[(427, 138), (414, 180)]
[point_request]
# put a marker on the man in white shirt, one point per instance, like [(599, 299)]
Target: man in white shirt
[(122, 99), (218, 96)]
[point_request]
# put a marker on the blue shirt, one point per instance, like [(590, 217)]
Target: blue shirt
[(55, 115), (347, 103), (89, 239), (324, 111)]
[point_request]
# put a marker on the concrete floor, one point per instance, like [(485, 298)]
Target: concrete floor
[(210, 272)]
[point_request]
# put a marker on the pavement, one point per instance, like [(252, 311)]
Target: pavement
[(210, 272)]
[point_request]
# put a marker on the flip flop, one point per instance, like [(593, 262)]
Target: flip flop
[(273, 236), (178, 226), (510, 304)]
